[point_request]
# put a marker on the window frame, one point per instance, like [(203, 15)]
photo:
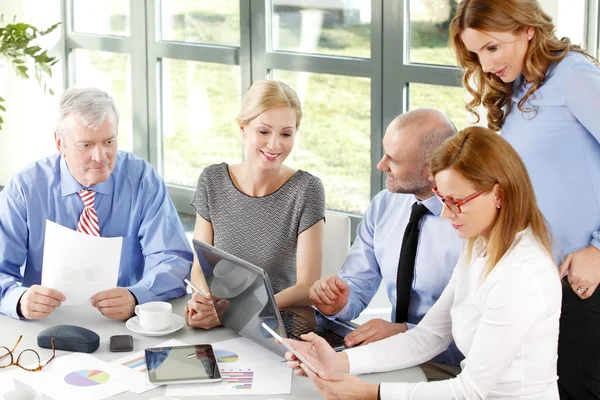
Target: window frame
[(388, 68)]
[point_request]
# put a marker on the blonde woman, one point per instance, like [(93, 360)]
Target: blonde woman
[(542, 93), (502, 304), (260, 209)]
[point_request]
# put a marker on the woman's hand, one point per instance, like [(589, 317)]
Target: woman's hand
[(342, 386), (317, 352), (584, 270), (202, 312)]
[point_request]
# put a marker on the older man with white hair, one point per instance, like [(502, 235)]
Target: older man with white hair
[(92, 187)]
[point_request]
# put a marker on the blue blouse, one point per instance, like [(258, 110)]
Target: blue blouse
[(559, 143)]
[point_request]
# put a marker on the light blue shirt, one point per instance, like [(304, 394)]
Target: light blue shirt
[(559, 145), (376, 250), (132, 203)]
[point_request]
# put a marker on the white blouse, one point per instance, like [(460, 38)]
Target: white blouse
[(506, 327)]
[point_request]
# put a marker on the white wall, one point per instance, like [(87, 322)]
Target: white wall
[(568, 16), (27, 132)]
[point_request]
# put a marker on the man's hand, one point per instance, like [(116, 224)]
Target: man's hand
[(584, 270), (372, 331), (117, 303), (329, 294), (39, 301)]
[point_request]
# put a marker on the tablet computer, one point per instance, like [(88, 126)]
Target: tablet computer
[(182, 364)]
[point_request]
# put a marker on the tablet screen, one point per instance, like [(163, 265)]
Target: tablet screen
[(181, 364)]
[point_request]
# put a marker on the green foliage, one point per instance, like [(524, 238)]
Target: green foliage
[(16, 45)]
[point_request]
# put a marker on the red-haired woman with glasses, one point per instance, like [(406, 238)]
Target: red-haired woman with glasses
[(501, 306)]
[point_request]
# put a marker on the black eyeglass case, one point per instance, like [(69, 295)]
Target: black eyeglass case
[(69, 338)]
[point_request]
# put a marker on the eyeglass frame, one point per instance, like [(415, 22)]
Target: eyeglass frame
[(449, 203), (12, 357)]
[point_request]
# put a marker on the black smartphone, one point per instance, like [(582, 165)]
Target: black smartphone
[(121, 343)]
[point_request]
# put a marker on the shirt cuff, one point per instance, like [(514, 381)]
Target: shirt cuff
[(596, 240), (9, 303), (409, 325), (360, 360), (393, 391), (141, 294)]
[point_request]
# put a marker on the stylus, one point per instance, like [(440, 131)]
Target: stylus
[(200, 292), (290, 348)]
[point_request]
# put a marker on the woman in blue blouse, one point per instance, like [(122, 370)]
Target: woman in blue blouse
[(543, 94)]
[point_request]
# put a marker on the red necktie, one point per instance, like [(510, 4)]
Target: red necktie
[(88, 222)]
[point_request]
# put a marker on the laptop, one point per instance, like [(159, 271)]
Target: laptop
[(244, 300)]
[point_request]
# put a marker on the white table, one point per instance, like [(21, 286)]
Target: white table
[(10, 329)]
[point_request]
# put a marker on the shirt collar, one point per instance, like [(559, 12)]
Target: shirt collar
[(432, 204), (69, 185)]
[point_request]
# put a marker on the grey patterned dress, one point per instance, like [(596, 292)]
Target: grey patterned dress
[(261, 230)]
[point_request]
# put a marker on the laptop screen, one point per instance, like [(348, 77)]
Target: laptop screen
[(242, 295)]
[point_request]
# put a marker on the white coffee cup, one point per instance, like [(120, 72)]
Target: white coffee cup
[(155, 315), (21, 392), (230, 275)]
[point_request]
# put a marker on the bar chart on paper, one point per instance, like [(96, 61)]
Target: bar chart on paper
[(237, 379), (246, 369), (137, 364)]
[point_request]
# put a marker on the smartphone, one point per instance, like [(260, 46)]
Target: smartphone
[(290, 348), (121, 343), (182, 364)]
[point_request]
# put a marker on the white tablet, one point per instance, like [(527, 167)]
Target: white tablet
[(182, 364)]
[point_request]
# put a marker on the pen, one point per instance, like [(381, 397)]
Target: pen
[(200, 292), (290, 348)]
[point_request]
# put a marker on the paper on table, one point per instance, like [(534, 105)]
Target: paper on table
[(79, 265), (246, 369), (80, 376), (137, 362)]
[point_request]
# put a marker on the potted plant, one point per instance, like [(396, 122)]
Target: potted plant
[(17, 48)]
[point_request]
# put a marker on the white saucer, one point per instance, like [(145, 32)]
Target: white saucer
[(177, 322)]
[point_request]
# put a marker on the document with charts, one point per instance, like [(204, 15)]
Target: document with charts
[(78, 376), (246, 369), (79, 265)]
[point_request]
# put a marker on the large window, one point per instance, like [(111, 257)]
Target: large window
[(178, 71), (199, 102)]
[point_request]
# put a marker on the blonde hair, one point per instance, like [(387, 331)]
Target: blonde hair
[(267, 94), (485, 159), (505, 16)]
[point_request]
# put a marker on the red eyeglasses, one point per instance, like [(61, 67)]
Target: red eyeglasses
[(453, 205)]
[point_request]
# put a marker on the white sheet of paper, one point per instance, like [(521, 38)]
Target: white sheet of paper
[(79, 265), (80, 376), (246, 369)]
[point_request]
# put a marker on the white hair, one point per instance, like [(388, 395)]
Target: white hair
[(90, 106)]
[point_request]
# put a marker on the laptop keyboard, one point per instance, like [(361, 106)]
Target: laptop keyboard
[(295, 326)]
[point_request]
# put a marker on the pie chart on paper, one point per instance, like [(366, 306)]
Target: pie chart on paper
[(87, 377), (226, 356)]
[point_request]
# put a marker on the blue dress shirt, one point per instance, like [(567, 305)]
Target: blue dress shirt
[(132, 203), (376, 250), (560, 146)]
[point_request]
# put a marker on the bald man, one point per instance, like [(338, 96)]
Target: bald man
[(408, 145)]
